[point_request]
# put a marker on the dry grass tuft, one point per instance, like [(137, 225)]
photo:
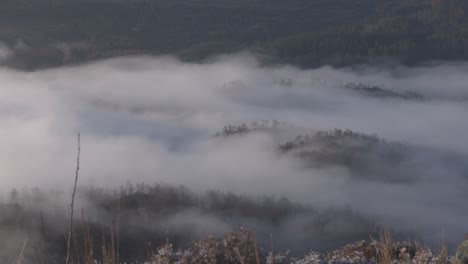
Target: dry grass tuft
[(385, 246)]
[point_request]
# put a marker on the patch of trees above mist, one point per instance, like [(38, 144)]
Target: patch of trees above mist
[(368, 157), (381, 92), (45, 33)]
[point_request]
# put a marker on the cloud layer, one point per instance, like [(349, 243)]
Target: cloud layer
[(154, 119)]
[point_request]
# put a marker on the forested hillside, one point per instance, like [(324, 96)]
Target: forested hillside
[(307, 33)]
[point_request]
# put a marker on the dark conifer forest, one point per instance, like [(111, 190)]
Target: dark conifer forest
[(304, 33)]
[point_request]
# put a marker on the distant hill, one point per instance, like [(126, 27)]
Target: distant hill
[(366, 157), (307, 33)]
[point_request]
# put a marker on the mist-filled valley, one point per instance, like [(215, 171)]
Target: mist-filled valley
[(177, 151)]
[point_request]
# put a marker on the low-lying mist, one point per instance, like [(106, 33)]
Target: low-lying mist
[(155, 120)]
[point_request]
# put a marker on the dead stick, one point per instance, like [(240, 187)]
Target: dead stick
[(70, 226)]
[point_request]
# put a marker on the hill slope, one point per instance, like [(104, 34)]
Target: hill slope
[(45, 33)]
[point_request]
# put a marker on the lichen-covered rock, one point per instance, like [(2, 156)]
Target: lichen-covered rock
[(462, 253)]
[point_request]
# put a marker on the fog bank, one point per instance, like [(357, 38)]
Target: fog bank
[(153, 119)]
